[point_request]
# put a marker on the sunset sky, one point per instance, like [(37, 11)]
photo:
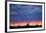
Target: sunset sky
[(21, 14)]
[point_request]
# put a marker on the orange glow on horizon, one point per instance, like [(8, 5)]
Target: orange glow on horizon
[(25, 23)]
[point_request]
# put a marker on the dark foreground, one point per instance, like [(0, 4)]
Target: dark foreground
[(36, 26)]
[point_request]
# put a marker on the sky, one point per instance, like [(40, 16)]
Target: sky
[(22, 12)]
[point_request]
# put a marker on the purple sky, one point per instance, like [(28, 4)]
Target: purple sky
[(21, 12)]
